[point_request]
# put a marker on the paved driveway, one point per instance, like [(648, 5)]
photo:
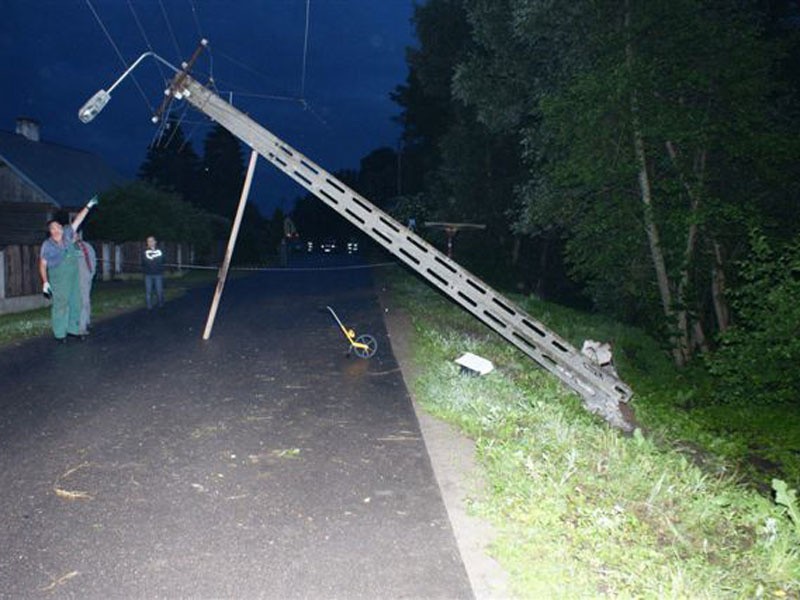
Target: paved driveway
[(264, 463)]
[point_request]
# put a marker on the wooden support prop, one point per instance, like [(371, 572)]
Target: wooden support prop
[(223, 269)]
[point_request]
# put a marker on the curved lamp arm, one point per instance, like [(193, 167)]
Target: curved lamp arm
[(98, 102)]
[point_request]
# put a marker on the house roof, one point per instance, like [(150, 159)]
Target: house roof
[(68, 177)]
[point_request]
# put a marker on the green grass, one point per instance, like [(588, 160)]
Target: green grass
[(108, 299), (583, 510)]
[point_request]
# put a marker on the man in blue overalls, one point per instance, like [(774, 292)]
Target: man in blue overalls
[(58, 268)]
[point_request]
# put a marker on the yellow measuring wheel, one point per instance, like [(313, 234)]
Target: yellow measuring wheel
[(363, 346)]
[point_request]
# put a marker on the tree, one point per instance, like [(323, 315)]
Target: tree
[(171, 164), (640, 121), (315, 220), (470, 171), (221, 179), (425, 99), (138, 210), (377, 176), (222, 172), (757, 359)]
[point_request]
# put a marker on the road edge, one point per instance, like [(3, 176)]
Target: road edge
[(458, 476)]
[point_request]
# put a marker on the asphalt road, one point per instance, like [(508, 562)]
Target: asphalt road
[(263, 463)]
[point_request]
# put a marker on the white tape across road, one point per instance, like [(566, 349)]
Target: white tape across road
[(265, 269)]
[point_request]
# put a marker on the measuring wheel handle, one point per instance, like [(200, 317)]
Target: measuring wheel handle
[(365, 346)]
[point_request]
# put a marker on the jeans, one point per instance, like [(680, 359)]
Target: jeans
[(154, 283)]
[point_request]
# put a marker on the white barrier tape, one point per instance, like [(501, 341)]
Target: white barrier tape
[(265, 269)]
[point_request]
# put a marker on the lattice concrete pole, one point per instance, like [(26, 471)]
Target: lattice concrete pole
[(602, 392), (226, 261)]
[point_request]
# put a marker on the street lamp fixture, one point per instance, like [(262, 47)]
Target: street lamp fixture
[(98, 102)]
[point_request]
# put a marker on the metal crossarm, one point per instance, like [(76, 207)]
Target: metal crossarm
[(602, 391)]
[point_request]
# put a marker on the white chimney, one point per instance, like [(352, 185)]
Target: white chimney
[(29, 128)]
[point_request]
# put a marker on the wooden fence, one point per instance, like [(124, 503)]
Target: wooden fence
[(19, 271), (19, 265)]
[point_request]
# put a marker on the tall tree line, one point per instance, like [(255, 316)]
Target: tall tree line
[(641, 142), (211, 183)]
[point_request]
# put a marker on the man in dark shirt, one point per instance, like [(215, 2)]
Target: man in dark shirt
[(153, 269)]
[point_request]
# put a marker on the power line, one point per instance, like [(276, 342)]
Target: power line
[(168, 124), (168, 102), (211, 79), (108, 35), (188, 138), (302, 101), (119, 54), (157, 134), (243, 65), (208, 48), (171, 32), (232, 91), (301, 98), (309, 108), (146, 39), (161, 129), (176, 125), (196, 19), (305, 52)]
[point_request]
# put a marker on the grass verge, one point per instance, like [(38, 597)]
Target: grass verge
[(109, 298), (584, 511)]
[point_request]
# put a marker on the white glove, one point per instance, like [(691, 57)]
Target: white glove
[(93, 202), (46, 289)]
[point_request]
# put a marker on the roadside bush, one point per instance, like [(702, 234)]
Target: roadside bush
[(758, 357), (135, 211)]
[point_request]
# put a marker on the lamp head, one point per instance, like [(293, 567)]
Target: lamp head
[(93, 106)]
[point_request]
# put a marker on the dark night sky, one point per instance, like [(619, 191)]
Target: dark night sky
[(55, 55)]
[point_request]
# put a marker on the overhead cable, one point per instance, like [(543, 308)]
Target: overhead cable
[(208, 47), (171, 32), (146, 40), (305, 52), (196, 19), (119, 54)]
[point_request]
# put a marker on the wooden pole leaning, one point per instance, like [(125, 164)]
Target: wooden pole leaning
[(223, 269)]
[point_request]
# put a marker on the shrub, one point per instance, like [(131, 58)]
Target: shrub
[(138, 210), (757, 358)]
